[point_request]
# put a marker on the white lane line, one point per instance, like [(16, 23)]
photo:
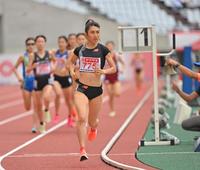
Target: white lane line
[(11, 104), (22, 115), (31, 141), (110, 144), (36, 155), (167, 153), (42, 135), (27, 113), (13, 118)]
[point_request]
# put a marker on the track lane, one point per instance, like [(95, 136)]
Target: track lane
[(64, 140)]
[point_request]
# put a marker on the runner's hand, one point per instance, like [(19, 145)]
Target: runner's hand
[(74, 75), (171, 62), (34, 65), (99, 71), (21, 82), (53, 67)]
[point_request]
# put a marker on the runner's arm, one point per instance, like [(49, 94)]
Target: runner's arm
[(184, 69), (53, 60), (31, 65), (112, 65), (19, 61), (52, 55), (119, 58), (185, 96), (70, 65)]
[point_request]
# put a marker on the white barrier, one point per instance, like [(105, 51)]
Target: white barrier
[(183, 112), (7, 62), (143, 39)]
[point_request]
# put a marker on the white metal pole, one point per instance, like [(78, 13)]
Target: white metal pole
[(120, 40), (155, 85)]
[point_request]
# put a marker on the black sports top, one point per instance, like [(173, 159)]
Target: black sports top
[(89, 59), (43, 65)]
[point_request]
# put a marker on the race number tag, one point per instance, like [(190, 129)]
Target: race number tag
[(60, 63), (89, 64), (43, 68)]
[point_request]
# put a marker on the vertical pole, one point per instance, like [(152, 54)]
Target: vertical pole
[(155, 85), (137, 39), (120, 40), (187, 62)]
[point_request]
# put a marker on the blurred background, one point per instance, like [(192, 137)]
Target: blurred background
[(20, 19)]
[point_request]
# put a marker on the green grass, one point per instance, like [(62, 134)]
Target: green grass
[(177, 157)]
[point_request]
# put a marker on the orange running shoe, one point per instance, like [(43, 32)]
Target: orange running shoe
[(83, 154), (92, 134)]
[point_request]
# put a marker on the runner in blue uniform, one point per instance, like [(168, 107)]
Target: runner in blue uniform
[(62, 76), (27, 80)]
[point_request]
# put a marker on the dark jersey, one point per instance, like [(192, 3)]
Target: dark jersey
[(43, 65), (91, 59)]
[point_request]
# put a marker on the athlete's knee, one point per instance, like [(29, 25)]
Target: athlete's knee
[(117, 93), (58, 96), (58, 92), (27, 107), (70, 103), (93, 123), (27, 103), (82, 119), (39, 109), (46, 98), (117, 90)]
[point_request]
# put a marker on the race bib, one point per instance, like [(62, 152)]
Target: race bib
[(60, 63), (89, 64), (43, 68)]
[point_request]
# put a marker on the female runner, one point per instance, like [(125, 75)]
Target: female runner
[(111, 80), (27, 81), (88, 96), (61, 75)]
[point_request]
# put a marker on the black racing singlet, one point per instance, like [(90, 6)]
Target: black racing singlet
[(89, 59), (43, 67)]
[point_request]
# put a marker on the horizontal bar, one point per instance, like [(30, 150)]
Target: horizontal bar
[(166, 54), (131, 27), (154, 143)]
